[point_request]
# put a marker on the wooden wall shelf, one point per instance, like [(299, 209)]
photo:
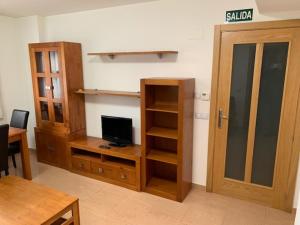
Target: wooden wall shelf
[(112, 55), (107, 92)]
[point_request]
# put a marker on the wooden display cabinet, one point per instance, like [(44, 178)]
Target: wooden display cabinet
[(60, 113), (167, 109)]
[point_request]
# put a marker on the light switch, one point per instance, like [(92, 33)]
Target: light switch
[(203, 96)]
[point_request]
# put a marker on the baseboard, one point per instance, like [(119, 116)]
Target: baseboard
[(199, 186)]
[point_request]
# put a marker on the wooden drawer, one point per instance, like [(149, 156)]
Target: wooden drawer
[(126, 176), (81, 164), (102, 170)]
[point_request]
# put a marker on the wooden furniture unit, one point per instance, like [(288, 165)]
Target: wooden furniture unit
[(60, 113), (120, 166), (17, 134), (108, 92), (112, 55), (23, 202), (167, 108)]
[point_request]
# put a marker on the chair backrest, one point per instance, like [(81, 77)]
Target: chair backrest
[(19, 119), (4, 147)]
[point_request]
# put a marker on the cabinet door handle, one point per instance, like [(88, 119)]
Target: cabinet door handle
[(81, 165), (100, 170), (123, 176)]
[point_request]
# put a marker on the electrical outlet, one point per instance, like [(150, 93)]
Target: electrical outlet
[(202, 116)]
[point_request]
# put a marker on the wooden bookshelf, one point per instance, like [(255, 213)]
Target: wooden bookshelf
[(162, 156), (112, 55), (108, 92), (167, 107)]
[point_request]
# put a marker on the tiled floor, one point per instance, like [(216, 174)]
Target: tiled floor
[(106, 204)]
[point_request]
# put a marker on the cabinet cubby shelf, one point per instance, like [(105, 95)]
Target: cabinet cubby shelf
[(163, 132), (163, 108), (162, 156), (108, 92), (112, 55), (162, 187)]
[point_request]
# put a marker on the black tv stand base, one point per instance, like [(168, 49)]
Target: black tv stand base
[(117, 145)]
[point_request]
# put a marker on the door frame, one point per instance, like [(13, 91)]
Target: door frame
[(290, 187)]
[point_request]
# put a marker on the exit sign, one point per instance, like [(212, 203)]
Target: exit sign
[(239, 15)]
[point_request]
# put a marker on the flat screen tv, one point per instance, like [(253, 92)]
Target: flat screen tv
[(117, 130)]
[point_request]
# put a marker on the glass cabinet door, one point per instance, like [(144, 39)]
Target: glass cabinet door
[(39, 62), (56, 88), (44, 110), (42, 86), (58, 112), (54, 63), (48, 84)]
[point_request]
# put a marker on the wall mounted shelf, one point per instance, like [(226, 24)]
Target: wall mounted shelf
[(112, 55), (108, 92)]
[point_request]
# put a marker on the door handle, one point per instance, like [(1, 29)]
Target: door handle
[(221, 117)]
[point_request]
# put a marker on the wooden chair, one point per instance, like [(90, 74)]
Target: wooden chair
[(4, 148), (19, 119)]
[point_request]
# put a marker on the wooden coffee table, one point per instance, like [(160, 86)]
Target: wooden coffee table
[(23, 202)]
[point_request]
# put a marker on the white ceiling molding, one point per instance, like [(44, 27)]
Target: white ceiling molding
[(21, 8)]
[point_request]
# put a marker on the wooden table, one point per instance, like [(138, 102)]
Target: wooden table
[(17, 134), (23, 202)]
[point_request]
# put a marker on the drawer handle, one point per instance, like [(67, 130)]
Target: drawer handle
[(123, 176), (81, 165), (100, 170)]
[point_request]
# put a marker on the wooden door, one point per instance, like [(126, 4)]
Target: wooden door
[(256, 112), (48, 86)]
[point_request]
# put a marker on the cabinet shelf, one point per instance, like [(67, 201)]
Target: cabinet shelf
[(163, 108), (162, 156), (162, 187), (108, 92), (112, 55), (163, 132)]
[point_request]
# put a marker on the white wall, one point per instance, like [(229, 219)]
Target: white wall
[(183, 25), (186, 26), (15, 77)]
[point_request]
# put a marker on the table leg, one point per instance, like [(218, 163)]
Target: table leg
[(25, 156), (75, 213)]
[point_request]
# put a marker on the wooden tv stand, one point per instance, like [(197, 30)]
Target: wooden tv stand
[(117, 165)]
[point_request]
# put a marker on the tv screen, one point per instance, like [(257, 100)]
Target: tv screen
[(117, 130)]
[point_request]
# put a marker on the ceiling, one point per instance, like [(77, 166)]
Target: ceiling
[(20, 8), (270, 6)]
